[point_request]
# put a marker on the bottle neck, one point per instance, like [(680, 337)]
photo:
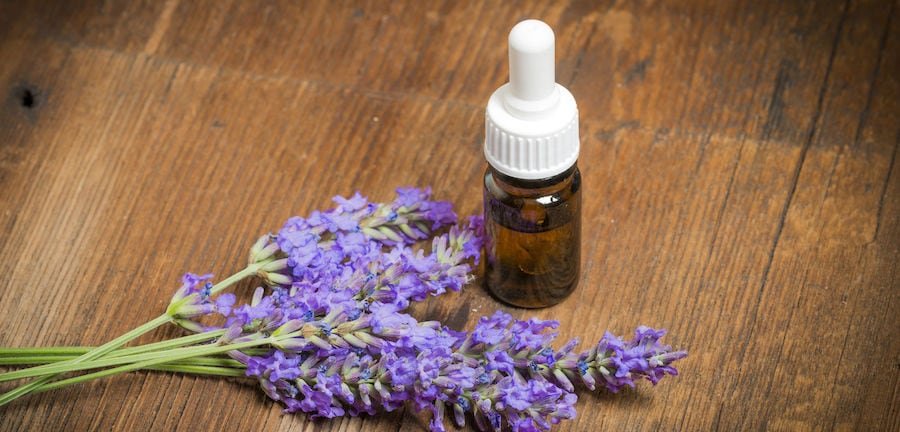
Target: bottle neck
[(538, 186)]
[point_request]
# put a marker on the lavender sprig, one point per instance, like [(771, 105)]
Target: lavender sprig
[(525, 345), (503, 372), (342, 249), (358, 353), (412, 216), (317, 247), (340, 342)]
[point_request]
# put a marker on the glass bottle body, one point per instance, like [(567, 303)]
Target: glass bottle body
[(533, 228)]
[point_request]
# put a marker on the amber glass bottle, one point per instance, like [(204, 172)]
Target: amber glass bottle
[(533, 255), (532, 186)]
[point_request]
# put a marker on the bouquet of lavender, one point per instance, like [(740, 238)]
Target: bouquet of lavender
[(329, 335)]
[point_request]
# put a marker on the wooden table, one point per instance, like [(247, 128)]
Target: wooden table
[(740, 168)]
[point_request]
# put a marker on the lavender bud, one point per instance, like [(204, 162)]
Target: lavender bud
[(274, 266), (355, 341), (370, 340), (264, 248), (338, 341), (409, 231), (288, 327), (319, 342), (275, 279), (382, 391), (231, 333), (189, 325), (258, 247), (459, 412), (373, 233), (390, 234), (364, 390), (563, 381)]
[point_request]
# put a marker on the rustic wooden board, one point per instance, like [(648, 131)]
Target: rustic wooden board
[(739, 161)]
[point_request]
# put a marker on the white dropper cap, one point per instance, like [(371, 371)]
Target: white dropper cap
[(531, 123)]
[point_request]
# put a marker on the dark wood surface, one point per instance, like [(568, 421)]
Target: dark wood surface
[(740, 175)]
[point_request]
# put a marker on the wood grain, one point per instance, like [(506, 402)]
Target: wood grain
[(739, 160)]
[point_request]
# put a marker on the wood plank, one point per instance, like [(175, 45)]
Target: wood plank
[(825, 306), (739, 161)]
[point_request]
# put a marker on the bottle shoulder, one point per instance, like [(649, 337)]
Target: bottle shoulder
[(547, 191), (550, 205)]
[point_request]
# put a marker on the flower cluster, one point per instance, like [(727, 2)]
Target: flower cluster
[(318, 247), (330, 336), (194, 299), (339, 282)]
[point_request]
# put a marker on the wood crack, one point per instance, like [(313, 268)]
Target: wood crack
[(754, 311)]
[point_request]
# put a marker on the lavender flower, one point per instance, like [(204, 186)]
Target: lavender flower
[(340, 343), (340, 281), (529, 390), (316, 246), (193, 300)]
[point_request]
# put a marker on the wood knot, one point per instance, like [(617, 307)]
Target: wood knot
[(27, 96)]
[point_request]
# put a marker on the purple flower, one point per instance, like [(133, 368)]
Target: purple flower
[(283, 367), (336, 222), (458, 377), (437, 417), (342, 281), (261, 309), (537, 401), (352, 204), (301, 247), (319, 400), (191, 281), (353, 244), (257, 366), (530, 334), (403, 370), (385, 320), (336, 386), (500, 361), (411, 197), (224, 303), (429, 367), (192, 300), (189, 284), (472, 246), (440, 213), (521, 395), (493, 330)]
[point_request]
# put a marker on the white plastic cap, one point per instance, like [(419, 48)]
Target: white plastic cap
[(531, 123)]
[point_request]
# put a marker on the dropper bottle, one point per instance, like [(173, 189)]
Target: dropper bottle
[(532, 186)]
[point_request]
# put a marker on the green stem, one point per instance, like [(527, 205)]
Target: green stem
[(149, 358), (154, 359), (191, 369), (34, 359), (51, 359), (102, 350), (48, 351), (58, 351), (250, 270), (200, 370), (90, 355), (153, 347), (169, 344)]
